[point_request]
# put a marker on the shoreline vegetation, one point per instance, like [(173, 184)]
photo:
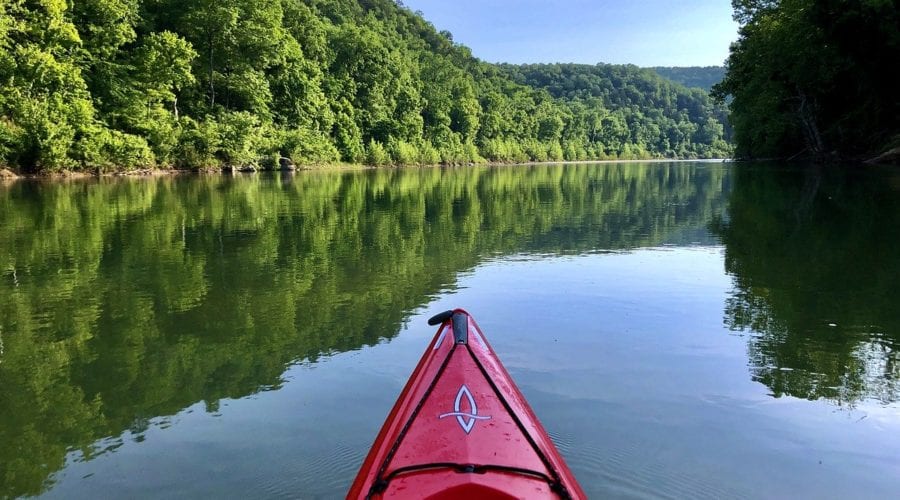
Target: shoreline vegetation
[(810, 80), (9, 175), (111, 85)]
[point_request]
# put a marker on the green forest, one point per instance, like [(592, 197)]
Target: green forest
[(814, 78), (110, 85)]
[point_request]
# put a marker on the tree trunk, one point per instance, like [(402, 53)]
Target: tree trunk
[(212, 85), (807, 114)]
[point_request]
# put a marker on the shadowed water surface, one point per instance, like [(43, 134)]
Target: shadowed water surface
[(682, 330)]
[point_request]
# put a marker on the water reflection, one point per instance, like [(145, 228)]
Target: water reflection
[(813, 254), (123, 300)]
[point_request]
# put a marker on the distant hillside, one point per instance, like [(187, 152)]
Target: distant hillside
[(656, 113), (694, 76)]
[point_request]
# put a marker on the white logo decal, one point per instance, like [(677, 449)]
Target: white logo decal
[(466, 420)]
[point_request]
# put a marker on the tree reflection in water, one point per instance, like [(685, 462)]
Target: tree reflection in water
[(123, 300), (813, 255)]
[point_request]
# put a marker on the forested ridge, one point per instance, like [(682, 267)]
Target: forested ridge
[(647, 113), (814, 78), (703, 77), (104, 85)]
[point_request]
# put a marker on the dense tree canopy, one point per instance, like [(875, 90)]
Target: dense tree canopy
[(814, 77), (122, 84)]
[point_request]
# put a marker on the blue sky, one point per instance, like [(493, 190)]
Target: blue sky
[(642, 32)]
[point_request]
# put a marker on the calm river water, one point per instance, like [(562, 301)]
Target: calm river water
[(683, 330)]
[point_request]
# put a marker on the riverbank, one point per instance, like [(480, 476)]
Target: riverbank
[(8, 174)]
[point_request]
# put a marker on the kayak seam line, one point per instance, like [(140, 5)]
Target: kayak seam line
[(470, 469), (381, 483), (557, 483)]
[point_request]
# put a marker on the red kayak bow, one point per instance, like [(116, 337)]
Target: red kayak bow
[(462, 429)]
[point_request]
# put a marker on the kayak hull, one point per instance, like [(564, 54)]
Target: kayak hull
[(461, 428)]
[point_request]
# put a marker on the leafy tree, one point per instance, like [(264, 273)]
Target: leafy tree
[(163, 67), (809, 77)]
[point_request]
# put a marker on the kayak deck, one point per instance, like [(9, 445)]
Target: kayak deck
[(461, 428)]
